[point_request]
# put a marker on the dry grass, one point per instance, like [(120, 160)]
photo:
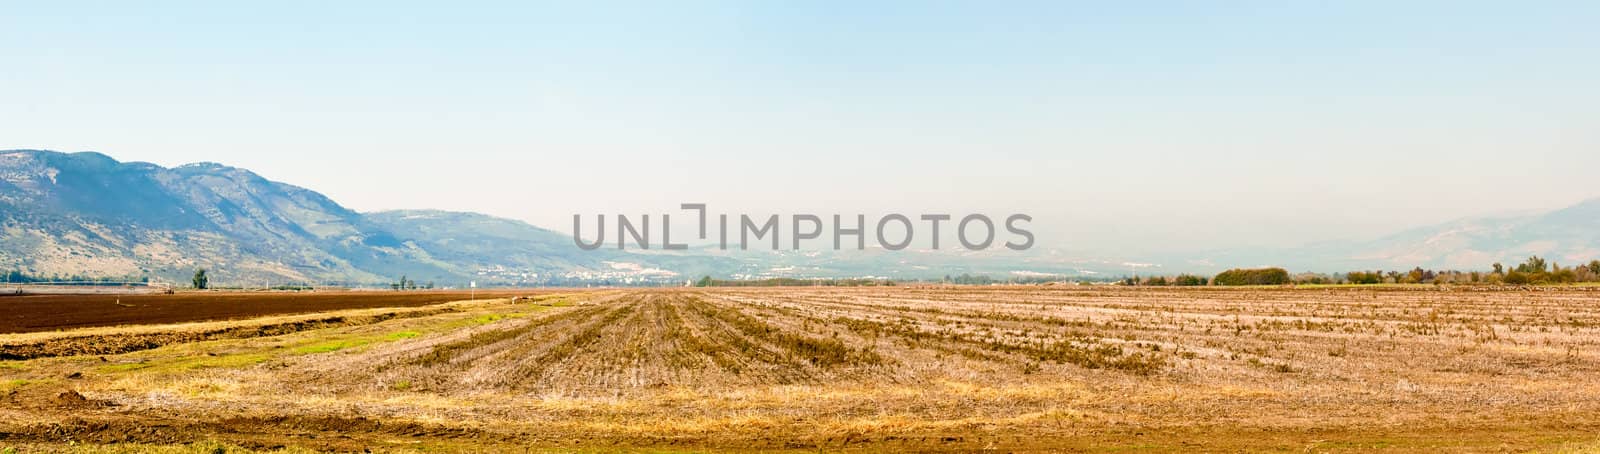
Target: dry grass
[(1330, 369)]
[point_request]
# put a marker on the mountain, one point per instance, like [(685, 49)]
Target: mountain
[(1570, 235), (514, 252), (88, 214), (1567, 236)]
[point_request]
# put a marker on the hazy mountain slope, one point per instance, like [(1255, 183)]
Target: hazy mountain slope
[(472, 236), (502, 249), (1568, 236), (506, 250)]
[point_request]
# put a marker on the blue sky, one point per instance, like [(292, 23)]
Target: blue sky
[(1126, 126)]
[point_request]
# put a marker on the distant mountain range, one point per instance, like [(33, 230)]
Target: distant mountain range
[(88, 214), (1568, 236)]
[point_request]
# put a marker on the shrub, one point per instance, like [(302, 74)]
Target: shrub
[(1257, 276), (1362, 277), (1313, 278), (1516, 278)]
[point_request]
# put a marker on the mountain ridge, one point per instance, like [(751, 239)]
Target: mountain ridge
[(1566, 235), (87, 213)]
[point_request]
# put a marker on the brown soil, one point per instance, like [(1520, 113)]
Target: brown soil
[(124, 343), (22, 314)]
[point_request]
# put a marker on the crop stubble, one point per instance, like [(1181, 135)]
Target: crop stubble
[(893, 368)]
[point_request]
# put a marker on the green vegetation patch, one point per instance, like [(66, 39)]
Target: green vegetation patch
[(487, 319), (12, 385), (401, 335), (203, 355), (330, 346)]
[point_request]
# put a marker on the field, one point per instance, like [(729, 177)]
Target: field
[(861, 369), (56, 312)]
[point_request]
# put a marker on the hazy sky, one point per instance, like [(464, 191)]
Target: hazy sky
[(1134, 126)]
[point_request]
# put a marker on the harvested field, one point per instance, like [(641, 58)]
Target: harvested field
[(890, 369), (21, 314), (115, 342)]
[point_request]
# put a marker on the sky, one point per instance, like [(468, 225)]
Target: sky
[(1119, 126)]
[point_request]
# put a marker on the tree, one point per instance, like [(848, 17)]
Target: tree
[(706, 282), (1534, 264), (1499, 269), (1414, 276), (201, 281)]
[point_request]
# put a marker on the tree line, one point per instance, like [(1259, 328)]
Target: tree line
[(1533, 271), (707, 281), (19, 277), (406, 283)]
